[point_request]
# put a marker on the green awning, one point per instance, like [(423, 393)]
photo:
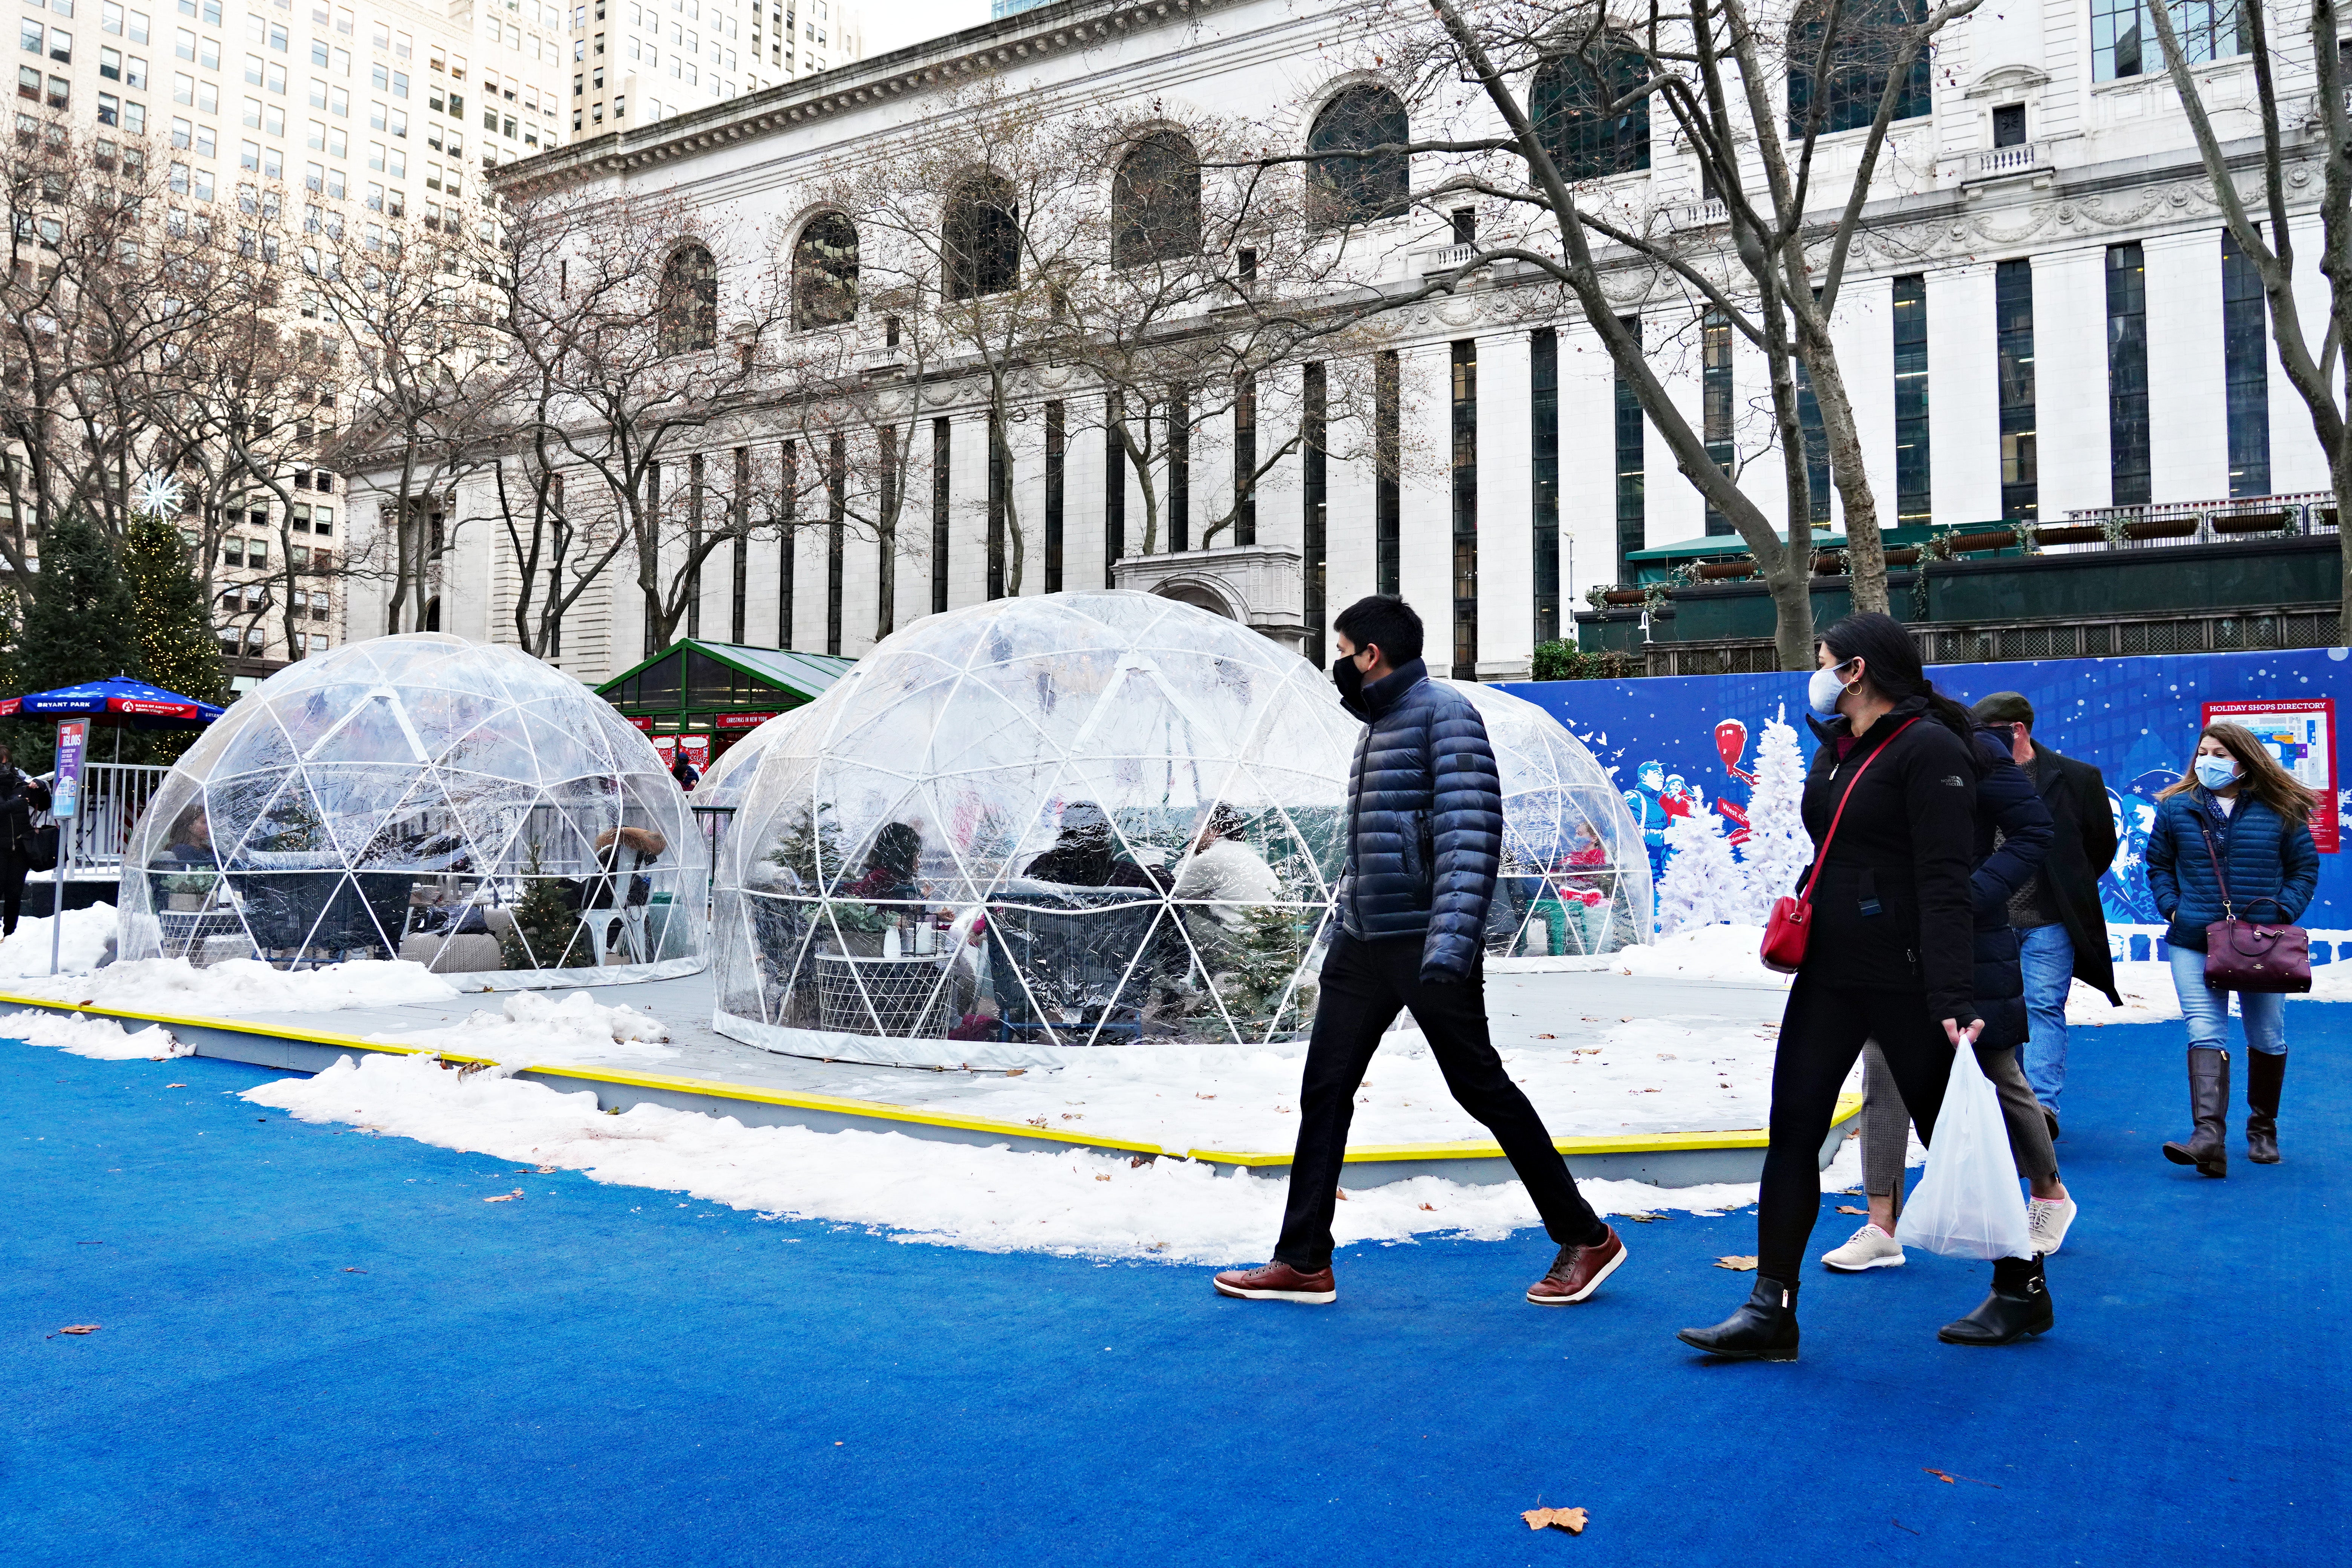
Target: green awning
[(698, 684)]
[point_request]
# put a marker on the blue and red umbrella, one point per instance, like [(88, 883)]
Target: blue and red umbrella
[(117, 700)]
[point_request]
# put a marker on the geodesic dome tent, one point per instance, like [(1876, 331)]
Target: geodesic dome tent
[(1079, 819), (423, 797), (1574, 876)]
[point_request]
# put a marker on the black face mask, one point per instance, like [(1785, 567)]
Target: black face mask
[(1349, 680)]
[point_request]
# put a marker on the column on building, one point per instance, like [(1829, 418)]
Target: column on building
[(2187, 418), (1506, 574), (1964, 426), (2298, 463), (1352, 500), (1675, 511), (1588, 468), (1425, 512), (2070, 367), (1861, 327)]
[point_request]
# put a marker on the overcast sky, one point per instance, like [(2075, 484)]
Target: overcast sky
[(894, 24)]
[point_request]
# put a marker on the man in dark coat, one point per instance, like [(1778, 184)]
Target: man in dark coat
[(2061, 930), (1425, 834)]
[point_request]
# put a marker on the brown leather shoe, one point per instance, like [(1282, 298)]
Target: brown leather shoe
[(1578, 1272), (1277, 1282)]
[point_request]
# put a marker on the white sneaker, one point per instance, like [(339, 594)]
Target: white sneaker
[(1869, 1248), (2046, 1220)]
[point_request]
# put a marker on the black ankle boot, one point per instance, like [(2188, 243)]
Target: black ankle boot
[(2264, 1073), (2016, 1308), (2207, 1148), (1765, 1329)]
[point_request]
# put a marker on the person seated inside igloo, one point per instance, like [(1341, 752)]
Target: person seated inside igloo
[(613, 900), (1073, 926)]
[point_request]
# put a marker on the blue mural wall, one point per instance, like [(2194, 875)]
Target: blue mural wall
[(2134, 718)]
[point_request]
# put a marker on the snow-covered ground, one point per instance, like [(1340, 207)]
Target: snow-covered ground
[(533, 1027), (101, 1037), (239, 986), (1723, 954), (991, 1199), (87, 932)]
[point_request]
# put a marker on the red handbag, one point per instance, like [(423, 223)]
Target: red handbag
[(2247, 956), (1791, 925)]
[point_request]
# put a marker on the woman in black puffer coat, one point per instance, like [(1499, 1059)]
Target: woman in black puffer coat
[(1893, 949)]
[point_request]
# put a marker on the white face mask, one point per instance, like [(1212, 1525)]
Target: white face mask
[(2216, 772), (1821, 692)]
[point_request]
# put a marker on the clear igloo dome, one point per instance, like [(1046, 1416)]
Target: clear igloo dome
[(1080, 819), (429, 798), (1574, 879)]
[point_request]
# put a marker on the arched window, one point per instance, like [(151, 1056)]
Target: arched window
[(1345, 191), (1870, 35), (825, 273), (1155, 202), (688, 307), (1570, 106), (981, 238)]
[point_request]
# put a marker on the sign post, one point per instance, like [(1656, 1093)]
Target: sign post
[(65, 799)]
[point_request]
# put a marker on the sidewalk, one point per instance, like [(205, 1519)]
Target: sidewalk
[(603, 1375)]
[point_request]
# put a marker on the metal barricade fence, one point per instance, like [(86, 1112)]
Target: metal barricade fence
[(113, 796)]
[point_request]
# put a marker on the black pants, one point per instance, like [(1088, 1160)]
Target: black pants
[(1364, 985), (11, 888), (1822, 1033)]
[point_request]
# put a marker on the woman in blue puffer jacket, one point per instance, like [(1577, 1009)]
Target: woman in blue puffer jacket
[(2233, 838)]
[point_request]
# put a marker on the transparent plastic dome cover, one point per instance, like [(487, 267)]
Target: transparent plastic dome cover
[(1574, 877), (1077, 819), (421, 796)]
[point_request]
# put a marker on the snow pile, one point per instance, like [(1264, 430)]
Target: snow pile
[(1601, 1078), (991, 1199), (1726, 954), (86, 936), (243, 985), (537, 1028), (101, 1037)]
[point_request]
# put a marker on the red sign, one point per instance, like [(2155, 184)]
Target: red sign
[(645, 724), (744, 721), (10, 707), (2301, 734)]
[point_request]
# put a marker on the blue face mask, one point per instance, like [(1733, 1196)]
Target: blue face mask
[(2217, 773)]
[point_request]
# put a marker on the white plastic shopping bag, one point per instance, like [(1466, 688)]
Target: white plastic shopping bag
[(1967, 1203)]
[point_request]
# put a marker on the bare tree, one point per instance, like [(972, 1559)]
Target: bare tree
[(2320, 371)]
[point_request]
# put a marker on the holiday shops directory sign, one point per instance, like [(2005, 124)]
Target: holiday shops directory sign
[(2301, 734)]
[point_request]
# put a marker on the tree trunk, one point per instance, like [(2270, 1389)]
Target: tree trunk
[(1865, 551), (1792, 610)]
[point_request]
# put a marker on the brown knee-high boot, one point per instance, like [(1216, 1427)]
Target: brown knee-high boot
[(2264, 1073), (2207, 1148)]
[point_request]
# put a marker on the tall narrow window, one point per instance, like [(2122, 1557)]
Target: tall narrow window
[(2012, 292), (1714, 400), (1245, 461), (1465, 508), (1055, 437), (2124, 41), (694, 545), (2128, 469), (1543, 447), (836, 505), (1114, 489), (1388, 458), (1817, 452), (940, 484), (1911, 471), (1633, 503), (1312, 439), (789, 545), (997, 478), (2246, 369), (738, 515), (1180, 472), (653, 509)]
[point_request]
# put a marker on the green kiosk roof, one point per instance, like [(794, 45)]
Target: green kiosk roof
[(698, 685)]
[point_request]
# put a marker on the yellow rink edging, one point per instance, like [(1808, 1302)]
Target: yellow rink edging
[(887, 1113)]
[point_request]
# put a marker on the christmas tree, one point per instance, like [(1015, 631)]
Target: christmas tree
[(175, 633), (1265, 957), (546, 933), (1779, 848), (82, 625), (1702, 885)]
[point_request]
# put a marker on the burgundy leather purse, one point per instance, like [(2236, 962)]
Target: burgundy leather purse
[(2249, 955), (1791, 926)]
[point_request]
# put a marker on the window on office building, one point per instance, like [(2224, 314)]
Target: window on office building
[(836, 495), (1245, 461), (1543, 447), (2246, 370), (1465, 467), (1714, 400), (2124, 41), (789, 547), (940, 452), (1387, 455), (2013, 288), (1055, 439), (1911, 470), (1632, 504), (2127, 452), (1114, 488), (1313, 436)]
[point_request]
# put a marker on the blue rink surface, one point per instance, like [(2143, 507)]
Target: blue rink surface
[(563, 1381)]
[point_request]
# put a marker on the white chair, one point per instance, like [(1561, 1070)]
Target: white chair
[(629, 922)]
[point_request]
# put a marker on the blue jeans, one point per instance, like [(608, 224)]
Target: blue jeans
[(2208, 1011), (2048, 957)]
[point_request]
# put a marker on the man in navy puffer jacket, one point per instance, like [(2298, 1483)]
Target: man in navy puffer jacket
[(1424, 832)]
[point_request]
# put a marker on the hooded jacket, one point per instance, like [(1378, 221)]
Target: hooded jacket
[(1424, 822), (1892, 905)]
